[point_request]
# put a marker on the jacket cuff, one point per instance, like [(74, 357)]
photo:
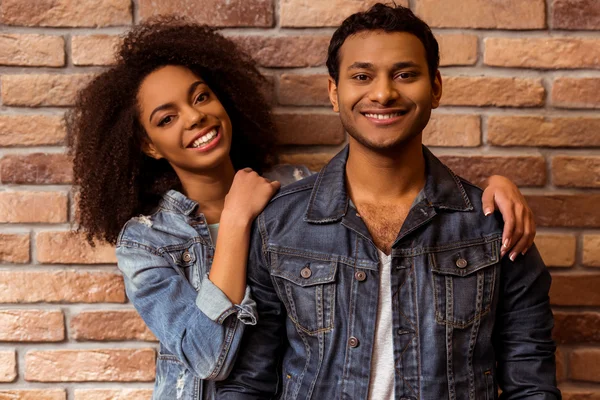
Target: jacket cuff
[(216, 305)]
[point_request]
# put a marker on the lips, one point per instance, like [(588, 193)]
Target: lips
[(203, 137), (384, 117)]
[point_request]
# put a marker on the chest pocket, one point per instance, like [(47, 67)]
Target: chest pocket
[(187, 259), (307, 288), (463, 282)]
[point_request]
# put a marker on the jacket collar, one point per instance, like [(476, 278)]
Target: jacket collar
[(178, 202), (329, 198)]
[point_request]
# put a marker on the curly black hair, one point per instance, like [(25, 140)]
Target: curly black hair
[(116, 179), (388, 19)]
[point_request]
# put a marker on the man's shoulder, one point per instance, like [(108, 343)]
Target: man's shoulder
[(293, 196)]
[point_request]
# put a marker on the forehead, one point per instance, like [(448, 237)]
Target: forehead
[(382, 48), (165, 85)]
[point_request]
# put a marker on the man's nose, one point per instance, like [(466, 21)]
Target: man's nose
[(384, 91)]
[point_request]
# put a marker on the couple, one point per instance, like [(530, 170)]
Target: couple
[(383, 276)]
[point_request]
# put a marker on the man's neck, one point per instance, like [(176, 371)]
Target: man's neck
[(385, 176)]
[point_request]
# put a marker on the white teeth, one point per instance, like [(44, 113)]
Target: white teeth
[(383, 116), (205, 139)]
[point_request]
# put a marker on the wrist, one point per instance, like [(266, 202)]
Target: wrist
[(238, 220)]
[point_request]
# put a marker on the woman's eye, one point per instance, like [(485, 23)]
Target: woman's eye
[(201, 97), (166, 120)]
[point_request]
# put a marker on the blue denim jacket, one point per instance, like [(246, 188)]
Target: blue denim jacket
[(465, 321), (165, 258)]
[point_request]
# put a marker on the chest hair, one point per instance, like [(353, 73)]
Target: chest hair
[(383, 222)]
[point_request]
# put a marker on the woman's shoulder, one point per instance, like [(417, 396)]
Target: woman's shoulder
[(287, 173)]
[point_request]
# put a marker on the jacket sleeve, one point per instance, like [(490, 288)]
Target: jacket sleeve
[(526, 367), (257, 371), (202, 329)]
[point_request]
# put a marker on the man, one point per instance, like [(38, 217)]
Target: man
[(380, 277)]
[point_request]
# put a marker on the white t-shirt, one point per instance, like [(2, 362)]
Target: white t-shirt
[(382, 361)]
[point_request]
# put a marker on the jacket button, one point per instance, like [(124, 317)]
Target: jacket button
[(187, 257), (461, 263), (360, 276), (353, 342), (306, 272)]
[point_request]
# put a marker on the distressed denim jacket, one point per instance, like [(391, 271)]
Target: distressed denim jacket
[(465, 321), (165, 258)]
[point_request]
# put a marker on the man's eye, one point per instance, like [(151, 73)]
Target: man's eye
[(361, 77), (166, 120), (405, 75)]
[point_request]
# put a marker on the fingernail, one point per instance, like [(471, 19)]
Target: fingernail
[(512, 257), (506, 242), (487, 212), (524, 251), (502, 253)]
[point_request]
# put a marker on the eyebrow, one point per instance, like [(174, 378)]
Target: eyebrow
[(190, 92), (370, 66)]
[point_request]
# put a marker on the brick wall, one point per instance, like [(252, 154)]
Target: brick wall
[(521, 98)]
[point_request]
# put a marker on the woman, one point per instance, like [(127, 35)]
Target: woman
[(169, 144)]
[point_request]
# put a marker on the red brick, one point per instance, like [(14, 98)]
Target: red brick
[(576, 327), (302, 13), (457, 49), (576, 92), (285, 51), (453, 130), (541, 131), (36, 168), (546, 52), (71, 248), (31, 326), (8, 366), (591, 250), (34, 394), (478, 168), (66, 12), (561, 372), (557, 250), (576, 171), (572, 392), (313, 161), (108, 394), (43, 89), (492, 91), (214, 12), (309, 128), (32, 50), (584, 365), (33, 207), (31, 130), (303, 90), (109, 325), (575, 289), (566, 210), (575, 14), (14, 248), (94, 49), (505, 14), (100, 365), (61, 287)]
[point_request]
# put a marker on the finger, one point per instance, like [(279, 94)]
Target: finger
[(509, 225), (275, 185), (521, 245), (519, 228), (247, 169), (532, 232), (487, 202)]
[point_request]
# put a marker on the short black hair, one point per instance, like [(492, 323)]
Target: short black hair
[(388, 19)]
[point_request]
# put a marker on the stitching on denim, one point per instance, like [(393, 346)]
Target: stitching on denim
[(474, 333), (308, 356), (449, 346), (229, 335), (347, 367), (130, 244), (352, 262)]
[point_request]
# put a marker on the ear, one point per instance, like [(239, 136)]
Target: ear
[(333, 94), (436, 90), (150, 150)]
